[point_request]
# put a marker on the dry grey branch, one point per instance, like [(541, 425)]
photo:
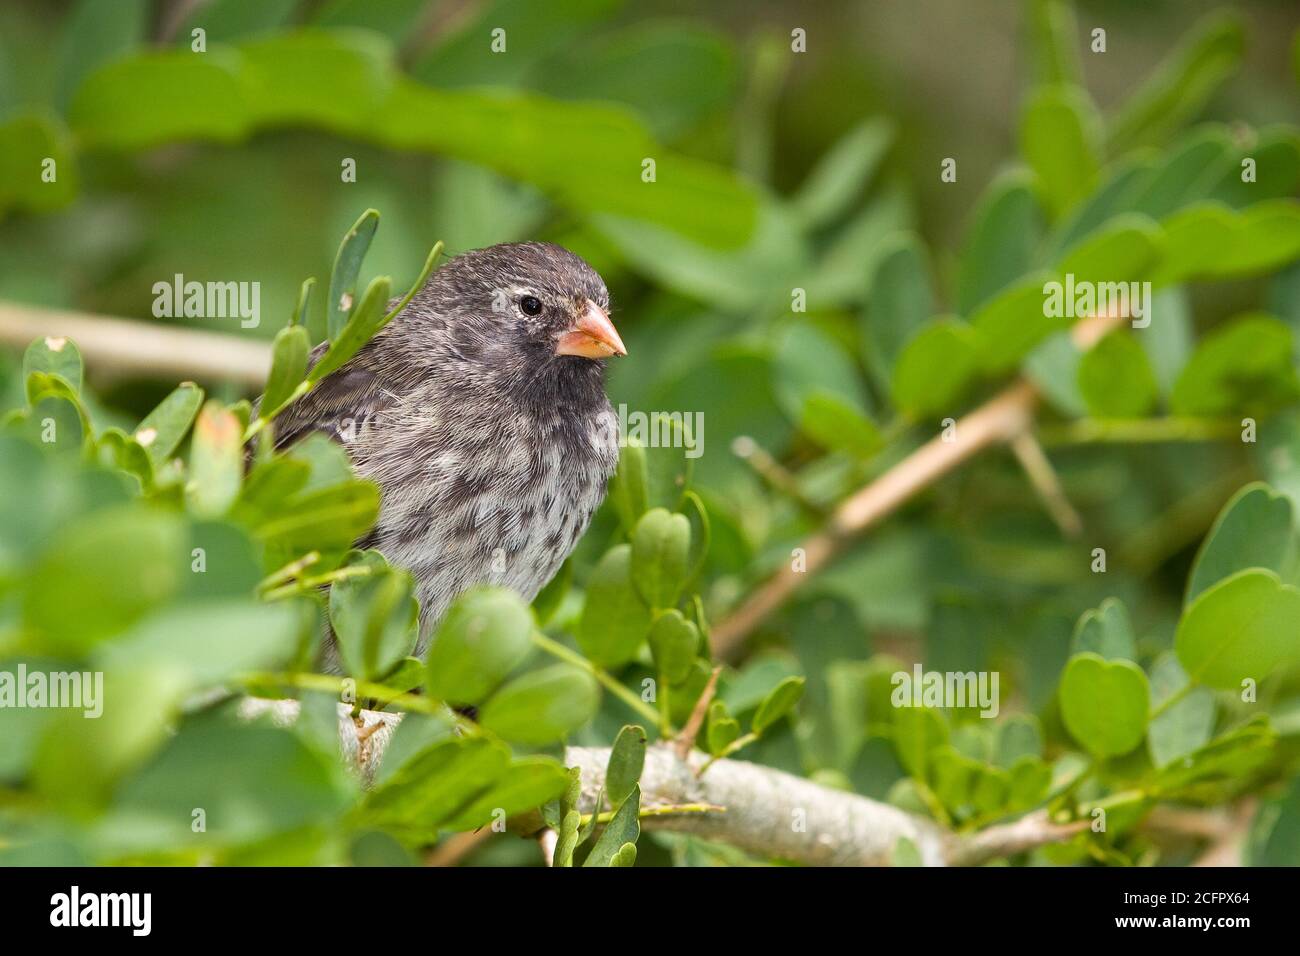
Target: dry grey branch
[(767, 812)]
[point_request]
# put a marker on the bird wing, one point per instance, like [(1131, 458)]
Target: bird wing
[(340, 404)]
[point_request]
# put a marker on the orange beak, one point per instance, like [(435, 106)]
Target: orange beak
[(592, 336)]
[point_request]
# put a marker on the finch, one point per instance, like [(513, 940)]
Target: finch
[(480, 411)]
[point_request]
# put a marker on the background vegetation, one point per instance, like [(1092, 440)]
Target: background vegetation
[(776, 171)]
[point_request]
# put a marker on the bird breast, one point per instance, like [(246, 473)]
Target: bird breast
[(501, 499)]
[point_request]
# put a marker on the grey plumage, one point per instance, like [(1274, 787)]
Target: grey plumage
[(491, 451)]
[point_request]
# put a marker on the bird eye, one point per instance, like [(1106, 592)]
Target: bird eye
[(531, 305)]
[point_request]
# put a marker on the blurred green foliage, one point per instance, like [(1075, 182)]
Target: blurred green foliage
[(810, 312)]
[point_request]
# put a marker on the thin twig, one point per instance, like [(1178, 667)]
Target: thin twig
[(123, 346), (547, 840), (455, 848), (1043, 479), (686, 739), (998, 421)]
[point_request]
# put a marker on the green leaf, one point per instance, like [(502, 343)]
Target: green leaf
[(54, 356), (550, 598), (1107, 201), (27, 142), (226, 20), (394, 19), (1253, 530), (252, 781), (661, 545), (1276, 152), (1053, 41), (1184, 726), (652, 66), (542, 141), (626, 759), (462, 55), (1011, 324), (347, 267), (1242, 366), (190, 96), (205, 641), (1239, 629), (626, 856), (917, 732), (568, 838), (302, 309), (332, 517), (409, 674), (45, 390), (622, 831), (138, 558), (374, 616), (1116, 379), (1181, 84), (628, 488), (485, 634), (117, 449), (1105, 631), (674, 643), (367, 318), (288, 366), (723, 730), (96, 32), (1168, 342), (1104, 704), (1059, 134), (1187, 173), (1030, 779), (525, 785), (1234, 755), (936, 369), (347, 83), (216, 461), (779, 702), (1019, 736), (435, 784), (838, 424), (1000, 243), (810, 361), (1265, 237), (901, 302), (1275, 831), (614, 619), (163, 428), (542, 706), (842, 172), (1053, 366)]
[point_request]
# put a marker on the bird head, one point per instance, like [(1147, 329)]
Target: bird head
[(522, 305)]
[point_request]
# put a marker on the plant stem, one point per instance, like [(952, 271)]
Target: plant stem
[(737, 744), (1172, 699), (289, 571), (671, 810), (302, 585), (556, 649), (335, 685), (1086, 431)]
